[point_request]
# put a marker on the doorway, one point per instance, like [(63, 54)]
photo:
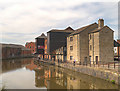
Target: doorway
[(96, 59)]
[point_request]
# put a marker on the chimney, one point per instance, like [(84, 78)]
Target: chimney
[(100, 23)]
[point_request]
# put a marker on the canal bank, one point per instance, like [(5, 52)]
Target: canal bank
[(108, 75)]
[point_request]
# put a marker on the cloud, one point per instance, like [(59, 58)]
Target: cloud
[(23, 20)]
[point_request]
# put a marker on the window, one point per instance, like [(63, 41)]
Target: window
[(71, 57), (71, 47), (90, 36), (71, 38), (90, 47)]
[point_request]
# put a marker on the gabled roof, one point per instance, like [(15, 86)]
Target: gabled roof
[(68, 29), (41, 36), (82, 29), (97, 29)]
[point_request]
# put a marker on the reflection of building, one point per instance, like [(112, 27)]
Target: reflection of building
[(39, 78), (40, 45), (73, 82), (31, 46), (31, 66), (14, 64)]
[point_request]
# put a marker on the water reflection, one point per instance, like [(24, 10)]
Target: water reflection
[(37, 75)]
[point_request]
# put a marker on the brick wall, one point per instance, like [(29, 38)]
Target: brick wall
[(31, 46)]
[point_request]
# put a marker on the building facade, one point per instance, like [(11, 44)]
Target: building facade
[(40, 45), (14, 51), (78, 45), (56, 39), (101, 44), (91, 44), (31, 46)]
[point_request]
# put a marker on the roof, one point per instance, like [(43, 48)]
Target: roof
[(42, 36), (68, 29), (99, 29), (82, 29), (14, 46), (116, 44)]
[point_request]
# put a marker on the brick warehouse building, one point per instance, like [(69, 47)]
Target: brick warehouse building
[(14, 51), (57, 39), (40, 45), (31, 46)]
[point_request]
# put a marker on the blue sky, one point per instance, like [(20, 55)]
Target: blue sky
[(23, 20)]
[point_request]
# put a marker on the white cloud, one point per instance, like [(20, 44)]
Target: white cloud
[(35, 16)]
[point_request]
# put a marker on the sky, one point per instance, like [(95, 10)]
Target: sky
[(22, 21)]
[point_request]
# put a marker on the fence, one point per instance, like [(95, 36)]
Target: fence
[(114, 65)]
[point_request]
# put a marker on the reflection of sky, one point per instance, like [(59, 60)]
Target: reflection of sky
[(19, 79), (29, 18)]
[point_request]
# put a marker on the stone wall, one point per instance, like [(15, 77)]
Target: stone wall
[(96, 72)]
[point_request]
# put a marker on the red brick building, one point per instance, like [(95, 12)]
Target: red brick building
[(14, 51), (31, 46)]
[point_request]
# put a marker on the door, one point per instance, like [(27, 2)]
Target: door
[(96, 59), (90, 59)]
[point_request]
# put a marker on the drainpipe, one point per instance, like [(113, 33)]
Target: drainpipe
[(118, 52), (93, 48)]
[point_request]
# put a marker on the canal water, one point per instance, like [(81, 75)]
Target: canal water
[(27, 74)]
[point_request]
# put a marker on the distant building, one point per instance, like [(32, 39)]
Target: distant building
[(57, 39), (118, 41), (14, 51), (40, 45), (116, 48), (31, 46)]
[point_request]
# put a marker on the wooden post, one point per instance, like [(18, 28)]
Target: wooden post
[(108, 65), (114, 65), (118, 52)]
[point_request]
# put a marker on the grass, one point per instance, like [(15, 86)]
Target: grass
[(113, 81), (3, 88)]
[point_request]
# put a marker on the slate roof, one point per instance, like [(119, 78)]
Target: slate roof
[(68, 29), (42, 36), (97, 29), (82, 29)]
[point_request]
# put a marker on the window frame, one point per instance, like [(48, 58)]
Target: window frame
[(71, 48), (71, 38)]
